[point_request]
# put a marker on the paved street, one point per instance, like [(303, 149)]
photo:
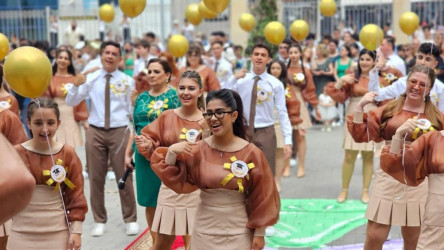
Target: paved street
[(322, 180)]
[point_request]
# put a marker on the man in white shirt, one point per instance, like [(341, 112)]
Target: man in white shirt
[(221, 67), (261, 93), (72, 34), (427, 55), (143, 51), (387, 49), (107, 136)]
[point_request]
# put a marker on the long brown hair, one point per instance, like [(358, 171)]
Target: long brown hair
[(193, 75), (430, 110), (170, 60)]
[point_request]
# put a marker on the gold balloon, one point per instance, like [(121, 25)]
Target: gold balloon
[(192, 14), (28, 71), (178, 45), (328, 7), (408, 22), (371, 36), (132, 8), (247, 22), (4, 46), (274, 32), (216, 5), (205, 12), (299, 30), (106, 13)]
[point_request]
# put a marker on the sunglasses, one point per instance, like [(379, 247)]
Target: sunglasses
[(219, 114)]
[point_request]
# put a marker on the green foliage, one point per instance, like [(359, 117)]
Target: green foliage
[(264, 11)]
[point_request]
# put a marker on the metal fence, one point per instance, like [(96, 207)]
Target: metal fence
[(30, 24)]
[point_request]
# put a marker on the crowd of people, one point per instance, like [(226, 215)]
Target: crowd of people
[(212, 134)]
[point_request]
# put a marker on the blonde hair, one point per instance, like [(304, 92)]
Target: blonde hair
[(323, 50)]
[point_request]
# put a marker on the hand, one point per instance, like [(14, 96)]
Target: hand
[(143, 144), (380, 63), (349, 79), (317, 114), (366, 99), (406, 127), (258, 243), (302, 131), (79, 80), (128, 164), (181, 147), (85, 125), (133, 96), (75, 241), (287, 151), (240, 74)]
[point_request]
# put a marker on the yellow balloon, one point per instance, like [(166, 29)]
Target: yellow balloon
[(299, 30), (328, 7), (371, 36), (178, 45), (205, 12), (106, 13), (247, 22), (274, 32), (192, 14), (132, 8), (408, 22), (28, 71), (216, 5), (4, 46)]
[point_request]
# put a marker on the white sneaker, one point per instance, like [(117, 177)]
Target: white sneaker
[(270, 231), (110, 176), (98, 230), (132, 228), (85, 175), (293, 162), (323, 129), (328, 129)]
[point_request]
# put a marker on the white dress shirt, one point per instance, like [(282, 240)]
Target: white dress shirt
[(271, 94), (399, 87), (394, 61), (224, 69), (94, 87), (140, 64)]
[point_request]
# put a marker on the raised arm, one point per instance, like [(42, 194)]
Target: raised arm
[(365, 127)]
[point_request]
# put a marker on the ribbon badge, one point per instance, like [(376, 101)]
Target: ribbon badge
[(66, 87), (298, 77), (157, 106), (262, 95), (58, 174), (239, 169), (389, 77), (424, 125), (287, 92), (119, 87), (189, 135), (5, 104)]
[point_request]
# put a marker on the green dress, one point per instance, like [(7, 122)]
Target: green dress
[(146, 109)]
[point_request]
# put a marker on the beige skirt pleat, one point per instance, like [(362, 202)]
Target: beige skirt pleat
[(432, 230), (5, 228), (42, 224), (175, 213), (393, 203), (305, 116), (221, 221)]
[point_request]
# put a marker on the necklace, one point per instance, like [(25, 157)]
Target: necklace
[(220, 150)]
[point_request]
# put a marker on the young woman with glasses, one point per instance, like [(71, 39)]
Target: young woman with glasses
[(238, 193)]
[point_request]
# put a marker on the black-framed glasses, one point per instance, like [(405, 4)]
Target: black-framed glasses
[(219, 114)]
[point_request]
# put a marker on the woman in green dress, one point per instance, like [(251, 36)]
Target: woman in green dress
[(148, 106)]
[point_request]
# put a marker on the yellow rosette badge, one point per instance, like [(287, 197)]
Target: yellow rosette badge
[(157, 106), (239, 169), (58, 174)]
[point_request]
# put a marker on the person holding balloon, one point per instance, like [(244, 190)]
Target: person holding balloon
[(302, 82), (408, 117), (354, 87), (58, 205)]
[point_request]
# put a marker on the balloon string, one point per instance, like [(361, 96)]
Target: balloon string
[(403, 168), (53, 162)]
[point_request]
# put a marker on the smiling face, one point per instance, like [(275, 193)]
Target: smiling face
[(110, 58), (193, 59), (260, 59), (42, 127), (418, 86), (294, 54), (189, 91), (276, 69), (366, 63), (156, 75), (63, 60), (224, 126)]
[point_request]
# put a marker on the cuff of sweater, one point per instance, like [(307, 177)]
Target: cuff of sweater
[(358, 117), (76, 227), (396, 144), (259, 232), (170, 158)]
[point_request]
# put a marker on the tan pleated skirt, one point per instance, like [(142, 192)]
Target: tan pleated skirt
[(42, 224), (305, 116), (5, 228), (349, 143), (432, 230), (69, 130), (221, 221), (393, 203), (175, 213)]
